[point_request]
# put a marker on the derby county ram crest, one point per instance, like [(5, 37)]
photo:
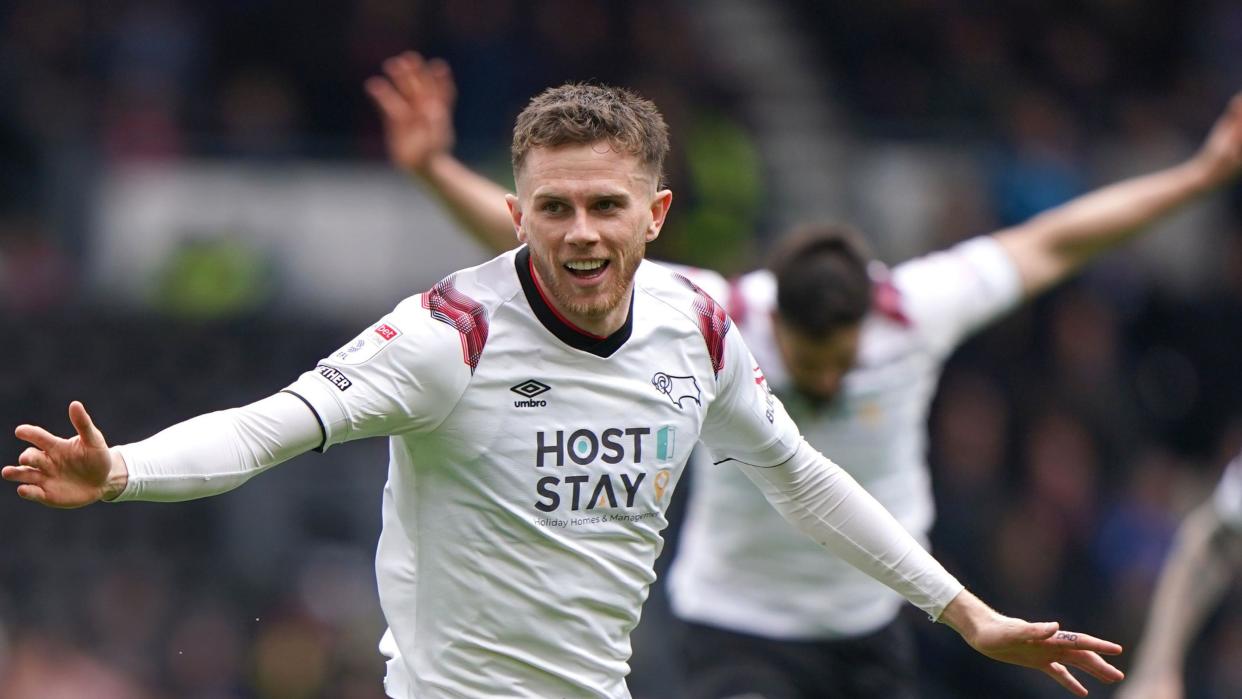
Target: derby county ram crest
[(677, 388)]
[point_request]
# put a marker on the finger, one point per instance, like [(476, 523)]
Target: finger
[(1084, 641), (37, 436), (91, 436), (386, 98), (404, 73), (1062, 675), (23, 474), (32, 493), (411, 57), (1092, 664), (33, 457), (1038, 631), (442, 79), (393, 68)]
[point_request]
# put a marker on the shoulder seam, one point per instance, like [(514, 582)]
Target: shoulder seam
[(694, 320)]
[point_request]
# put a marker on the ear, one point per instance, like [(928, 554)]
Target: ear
[(515, 212), (780, 333), (780, 328), (659, 211)]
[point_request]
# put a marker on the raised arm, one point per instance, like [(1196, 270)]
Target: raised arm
[(415, 100), (1057, 242), (1195, 578), (202, 456)]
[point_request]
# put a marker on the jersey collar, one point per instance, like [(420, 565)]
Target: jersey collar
[(564, 330)]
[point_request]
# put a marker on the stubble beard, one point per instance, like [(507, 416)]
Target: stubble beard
[(602, 301)]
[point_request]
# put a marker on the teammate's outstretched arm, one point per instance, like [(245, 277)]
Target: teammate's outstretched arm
[(205, 455), (415, 100), (1059, 241), (1193, 581)]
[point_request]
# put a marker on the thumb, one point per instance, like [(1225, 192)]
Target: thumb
[(91, 436)]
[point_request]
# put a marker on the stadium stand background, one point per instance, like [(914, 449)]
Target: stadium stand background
[(1067, 441)]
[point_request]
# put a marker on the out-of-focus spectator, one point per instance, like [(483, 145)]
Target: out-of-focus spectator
[(46, 668), (35, 274)]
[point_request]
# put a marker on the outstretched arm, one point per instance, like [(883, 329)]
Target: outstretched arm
[(823, 501), (1041, 646), (1058, 242), (415, 100), (202, 456), (1194, 579), (746, 425)]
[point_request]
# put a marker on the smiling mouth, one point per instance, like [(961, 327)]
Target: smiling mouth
[(586, 269)]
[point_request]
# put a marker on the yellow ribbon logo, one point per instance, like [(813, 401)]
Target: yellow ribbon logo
[(661, 483)]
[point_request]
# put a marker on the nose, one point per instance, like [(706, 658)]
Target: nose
[(821, 384), (581, 232), (829, 383)]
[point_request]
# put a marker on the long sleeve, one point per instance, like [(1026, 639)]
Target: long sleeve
[(827, 504), (214, 453), (748, 425)]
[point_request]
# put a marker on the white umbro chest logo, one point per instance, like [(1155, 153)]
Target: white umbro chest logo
[(529, 389)]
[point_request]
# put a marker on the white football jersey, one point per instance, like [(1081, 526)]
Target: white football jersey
[(1228, 496), (739, 565), (531, 468)]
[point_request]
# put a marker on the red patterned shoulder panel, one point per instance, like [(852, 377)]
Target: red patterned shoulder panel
[(714, 323), (448, 305)]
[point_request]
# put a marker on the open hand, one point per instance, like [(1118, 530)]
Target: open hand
[(415, 101), (60, 472), (1042, 646)]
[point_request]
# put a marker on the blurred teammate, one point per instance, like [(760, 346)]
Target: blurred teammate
[(855, 353), (1196, 576), (540, 409)]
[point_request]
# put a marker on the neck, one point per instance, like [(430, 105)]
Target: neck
[(607, 324), (597, 326)]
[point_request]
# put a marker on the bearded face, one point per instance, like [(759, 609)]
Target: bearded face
[(587, 213)]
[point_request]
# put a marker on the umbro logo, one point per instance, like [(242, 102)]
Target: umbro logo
[(529, 389)]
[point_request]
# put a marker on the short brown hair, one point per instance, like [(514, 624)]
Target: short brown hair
[(822, 280), (580, 113)]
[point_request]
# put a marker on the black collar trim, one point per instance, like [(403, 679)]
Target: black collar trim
[(600, 347)]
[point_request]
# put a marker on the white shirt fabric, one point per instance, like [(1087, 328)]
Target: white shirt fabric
[(530, 469), (738, 565), (1228, 496)]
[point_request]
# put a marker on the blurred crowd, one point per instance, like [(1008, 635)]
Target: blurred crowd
[(1067, 441)]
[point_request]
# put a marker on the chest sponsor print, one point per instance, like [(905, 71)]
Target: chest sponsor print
[(585, 471)]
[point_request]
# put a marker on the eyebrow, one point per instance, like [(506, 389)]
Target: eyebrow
[(590, 197)]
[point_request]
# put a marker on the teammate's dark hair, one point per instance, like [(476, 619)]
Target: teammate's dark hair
[(822, 282), (579, 113)]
